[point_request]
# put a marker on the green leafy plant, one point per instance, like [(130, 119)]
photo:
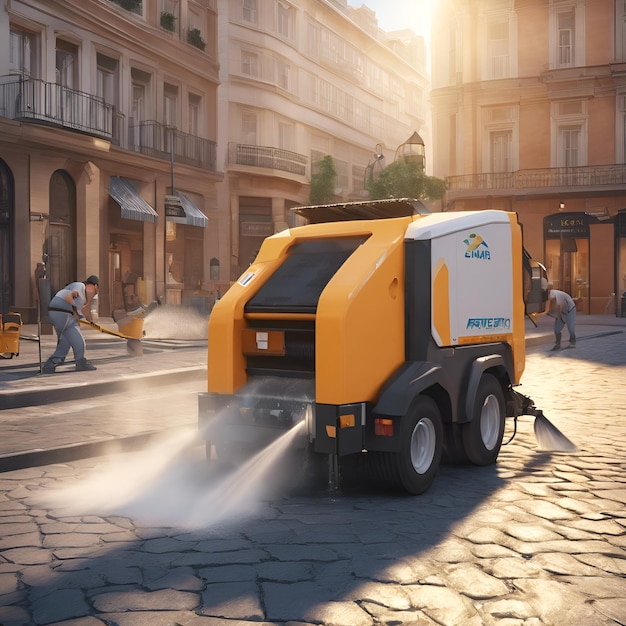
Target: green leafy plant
[(168, 21), (194, 37), (323, 181), (405, 179), (129, 5)]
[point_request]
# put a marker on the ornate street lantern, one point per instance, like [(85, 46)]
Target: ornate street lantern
[(412, 149)]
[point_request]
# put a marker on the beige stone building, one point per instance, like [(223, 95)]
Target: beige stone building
[(97, 100), (528, 104), (156, 143), (301, 80)]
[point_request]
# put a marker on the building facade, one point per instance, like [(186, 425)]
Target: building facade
[(157, 143), (107, 111), (528, 105), (301, 80)]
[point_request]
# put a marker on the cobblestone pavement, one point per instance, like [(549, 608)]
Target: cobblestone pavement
[(148, 538)]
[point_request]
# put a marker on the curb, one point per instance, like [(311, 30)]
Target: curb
[(64, 393), (78, 451)]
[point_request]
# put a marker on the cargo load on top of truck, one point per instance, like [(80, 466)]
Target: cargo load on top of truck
[(388, 333)]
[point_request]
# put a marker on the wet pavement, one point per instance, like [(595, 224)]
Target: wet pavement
[(539, 538)]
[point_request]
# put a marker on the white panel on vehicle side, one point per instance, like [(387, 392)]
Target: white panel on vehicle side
[(478, 254), (439, 224)]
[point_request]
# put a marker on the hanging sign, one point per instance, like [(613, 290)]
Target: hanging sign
[(173, 207)]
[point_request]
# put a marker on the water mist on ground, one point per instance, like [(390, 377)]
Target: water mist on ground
[(171, 484), (175, 322)]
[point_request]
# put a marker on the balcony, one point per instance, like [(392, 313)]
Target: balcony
[(553, 179), (269, 158), (156, 140), (33, 100)]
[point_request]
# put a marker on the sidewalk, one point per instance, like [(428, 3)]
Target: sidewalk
[(22, 384), (55, 430)]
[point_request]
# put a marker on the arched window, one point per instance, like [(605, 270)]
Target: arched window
[(61, 240), (7, 209)]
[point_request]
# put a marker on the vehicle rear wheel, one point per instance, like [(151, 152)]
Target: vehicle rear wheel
[(414, 466), (482, 436)]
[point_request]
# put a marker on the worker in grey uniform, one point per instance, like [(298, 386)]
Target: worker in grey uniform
[(66, 308), (563, 308)]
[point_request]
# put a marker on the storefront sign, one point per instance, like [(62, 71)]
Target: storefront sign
[(574, 225), (257, 229)]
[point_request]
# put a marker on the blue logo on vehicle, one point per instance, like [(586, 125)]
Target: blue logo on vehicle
[(477, 248)]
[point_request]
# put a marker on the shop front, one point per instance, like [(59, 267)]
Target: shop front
[(579, 253)]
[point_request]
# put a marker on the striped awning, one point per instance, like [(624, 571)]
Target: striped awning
[(193, 215), (133, 206)]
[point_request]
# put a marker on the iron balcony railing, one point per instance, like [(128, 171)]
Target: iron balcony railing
[(33, 100), (157, 140), (271, 158), (585, 176)]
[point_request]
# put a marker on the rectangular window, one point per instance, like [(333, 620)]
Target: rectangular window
[(565, 42), (313, 40), (282, 74), (569, 145), (249, 128), (285, 136), (501, 151), (23, 53), (249, 63), (193, 123), (285, 20), (170, 105), (249, 11), (498, 49), (106, 78), (66, 64)]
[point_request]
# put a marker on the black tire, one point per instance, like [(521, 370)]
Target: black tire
[(414, 467), (453, 449), (482, 436)]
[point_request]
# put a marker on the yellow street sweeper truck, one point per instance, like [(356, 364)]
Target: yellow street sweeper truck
[(381, 331)]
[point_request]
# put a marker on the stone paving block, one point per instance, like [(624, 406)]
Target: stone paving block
[(614, 609), (388, 595), (60, 604), (14, 616), (285, 571), (81, 621), (384, 615), (8, 583), (472, 582), (338, 614), (509, 609), (301, 553), (292, 601), (24, 540), (443, 605), (28, 556), (137, 600), (179, 578), (555, 603), (228, 573), (237, 600)]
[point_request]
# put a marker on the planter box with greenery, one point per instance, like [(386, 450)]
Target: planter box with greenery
[(129, 5), (194, 37), (168, 21)]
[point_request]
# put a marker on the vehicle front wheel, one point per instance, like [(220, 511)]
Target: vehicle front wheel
[(482, 436)]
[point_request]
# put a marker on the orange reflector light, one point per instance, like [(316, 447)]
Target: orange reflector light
[(383, 427), (331, 431), (347, 421)]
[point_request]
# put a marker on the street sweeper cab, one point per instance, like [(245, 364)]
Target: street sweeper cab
[(384, 333)]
